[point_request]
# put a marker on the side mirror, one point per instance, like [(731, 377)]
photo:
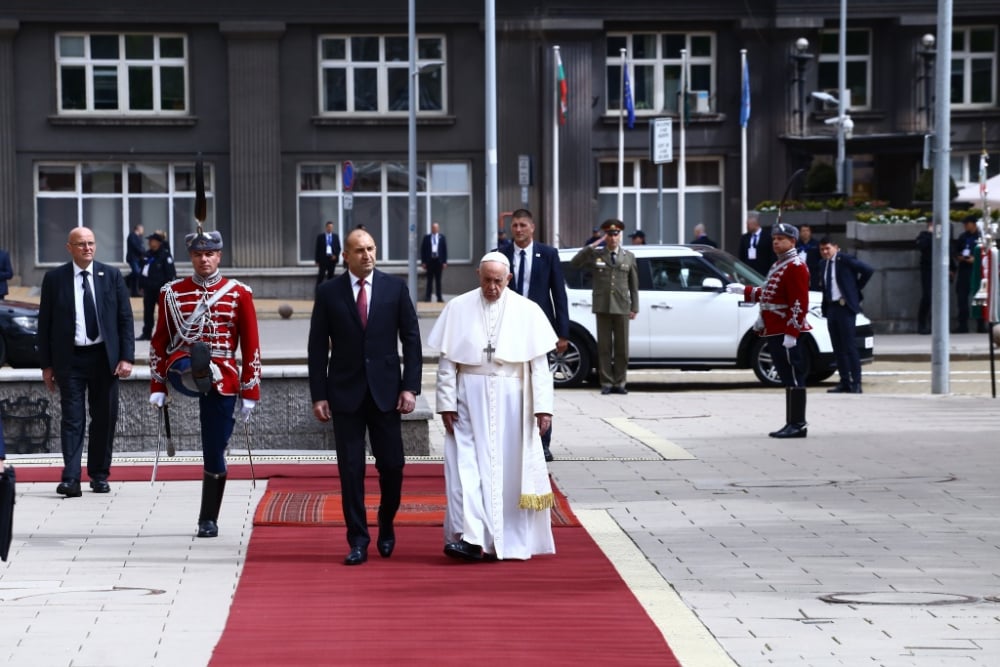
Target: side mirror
[(712, 285)]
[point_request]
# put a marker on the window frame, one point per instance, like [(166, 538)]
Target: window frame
[(123, 66), (659, 63), (834, 58), (382, 67), (966, 57)]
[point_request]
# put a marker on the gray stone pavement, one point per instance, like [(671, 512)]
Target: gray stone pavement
[(874, 541)]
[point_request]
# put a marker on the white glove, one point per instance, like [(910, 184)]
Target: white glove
[(735, 288), (157, 399), (246, 407), (790, 341)]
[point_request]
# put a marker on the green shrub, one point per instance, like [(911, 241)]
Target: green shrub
[(923, 190)]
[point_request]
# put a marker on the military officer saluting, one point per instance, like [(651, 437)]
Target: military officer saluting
[(616, 301), (203, 319)]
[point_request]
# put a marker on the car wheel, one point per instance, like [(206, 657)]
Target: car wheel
[(764, 368), (570, 368)]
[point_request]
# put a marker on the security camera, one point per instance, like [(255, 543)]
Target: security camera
[(825, 97)]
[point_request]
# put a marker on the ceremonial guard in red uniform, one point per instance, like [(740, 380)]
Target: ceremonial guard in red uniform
[(202, 320), (784, 302)]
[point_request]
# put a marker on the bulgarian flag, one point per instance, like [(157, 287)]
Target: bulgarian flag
[(563, 89)]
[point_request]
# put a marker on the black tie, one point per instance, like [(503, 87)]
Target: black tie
[(520, 275), (612, 259), (89, 309), (827, 280)]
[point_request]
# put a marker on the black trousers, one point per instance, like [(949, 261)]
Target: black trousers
[(149, 296), (385, 435), (924, 311), (215, 413), (963, 282), (841, 323), (326, 269), (787, 361), (434, 270), (88, 381)]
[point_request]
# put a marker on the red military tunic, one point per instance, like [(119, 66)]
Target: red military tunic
[(784, 298), (222, 323)]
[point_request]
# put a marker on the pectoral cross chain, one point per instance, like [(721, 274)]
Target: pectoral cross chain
[(489, 350)]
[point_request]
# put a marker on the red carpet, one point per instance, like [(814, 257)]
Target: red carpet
[(296, 604)]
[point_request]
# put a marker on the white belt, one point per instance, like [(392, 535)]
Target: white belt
[(493, 368)]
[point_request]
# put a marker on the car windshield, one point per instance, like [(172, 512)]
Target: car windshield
[(735, 270)]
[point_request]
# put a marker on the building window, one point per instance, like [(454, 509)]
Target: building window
[(655, 74), (702, 203), (127, 74), (965, 168), (974, 67), (110, 198), (379, 200), (857, 62), (369, 74)]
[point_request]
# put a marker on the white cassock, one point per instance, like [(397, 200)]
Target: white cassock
[(493, 371)]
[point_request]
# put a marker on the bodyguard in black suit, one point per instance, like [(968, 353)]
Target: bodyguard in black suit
[(843, 278), (358, 321), (327, 253), (537, 274), (6, 273), (86, 342), (755, 246), (434, 258)]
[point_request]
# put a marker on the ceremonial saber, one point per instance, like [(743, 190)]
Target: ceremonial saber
[(246, 432), (166, 427), (788, 190), (159, 436)]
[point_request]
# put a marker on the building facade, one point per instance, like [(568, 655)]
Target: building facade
[(104, 110)]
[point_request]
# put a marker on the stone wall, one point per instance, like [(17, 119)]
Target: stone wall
[(282, 421)]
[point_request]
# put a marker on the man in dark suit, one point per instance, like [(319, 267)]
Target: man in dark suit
[(843, 278), (537, 274), (755, 246), (84, 355), (6, 273), (327, 253), (135, 255), (434, 259), (358, 320)]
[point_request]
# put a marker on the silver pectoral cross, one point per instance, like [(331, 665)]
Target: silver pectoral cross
[(489, 350)]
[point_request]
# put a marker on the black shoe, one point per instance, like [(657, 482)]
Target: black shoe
[(208, 528), (69, 488), (357, 556), (548, 454), (791, 431), (100, 486), (924, 331), (619, 390), (464, 551), (855, 389), (839, 389), (605, 391)]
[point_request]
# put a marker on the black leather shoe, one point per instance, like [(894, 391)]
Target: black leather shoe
[(548, 454), (855, 389), (605, 390), (619, 390), (357, 556), (464, 551), (208, 528), (143, 337), (69, 488), (839, 389), (791, 431), (100, 486)]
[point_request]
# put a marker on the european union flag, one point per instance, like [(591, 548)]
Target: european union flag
[(629, 106), (745, 97)]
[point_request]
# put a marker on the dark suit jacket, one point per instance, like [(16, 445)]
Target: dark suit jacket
[(321, 248), (425, 250), (346, 360), (851, 275), (57, 323), (134, 248), (765, 253), (546, 285), (6, 272)]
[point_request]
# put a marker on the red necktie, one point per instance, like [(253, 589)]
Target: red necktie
[(362, 304)]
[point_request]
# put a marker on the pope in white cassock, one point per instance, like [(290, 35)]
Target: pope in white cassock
[(494, 394)]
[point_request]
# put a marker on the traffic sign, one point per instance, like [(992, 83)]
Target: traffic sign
[(348, 201), (661, 140)]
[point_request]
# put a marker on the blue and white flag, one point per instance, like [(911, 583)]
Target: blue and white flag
[(745, 96), (629, 106)]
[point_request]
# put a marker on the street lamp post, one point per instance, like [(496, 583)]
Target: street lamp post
[(927, 55), (411, 156), (801, 58)]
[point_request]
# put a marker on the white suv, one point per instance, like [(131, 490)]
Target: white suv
[(687, 320)]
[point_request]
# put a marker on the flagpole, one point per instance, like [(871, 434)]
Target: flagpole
[(681, 172), (555, 146), (621, 142), (743, 142)]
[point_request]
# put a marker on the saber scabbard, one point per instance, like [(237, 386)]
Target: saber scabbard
[(246, 432), (159, 436), (166, 427)]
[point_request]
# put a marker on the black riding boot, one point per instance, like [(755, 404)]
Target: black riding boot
[(213, 486), (795, 409)]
